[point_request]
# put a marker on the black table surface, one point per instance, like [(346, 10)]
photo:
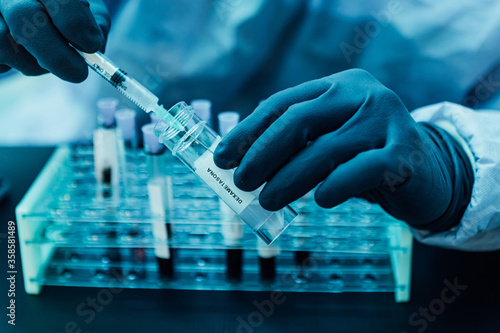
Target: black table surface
[(432, 308)]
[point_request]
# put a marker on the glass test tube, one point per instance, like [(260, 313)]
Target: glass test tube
[(126, 121), (128, 143), (267, 261), (160, 201), (106, 160), (107, 172)]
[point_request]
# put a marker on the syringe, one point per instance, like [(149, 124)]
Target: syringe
[(129, 87), (193, 142)]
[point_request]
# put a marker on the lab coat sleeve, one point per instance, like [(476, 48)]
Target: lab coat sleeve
[(479, 133)]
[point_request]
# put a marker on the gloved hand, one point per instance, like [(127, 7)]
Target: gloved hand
[(35, 36), (355, 137)]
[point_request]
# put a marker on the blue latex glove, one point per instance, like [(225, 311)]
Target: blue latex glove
[(35, 36), (355, 137)]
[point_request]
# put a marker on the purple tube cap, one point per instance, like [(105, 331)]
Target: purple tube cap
[(151, 143), (107, 108), (154, 118), (203, 108), (227, 121), (125, 121)]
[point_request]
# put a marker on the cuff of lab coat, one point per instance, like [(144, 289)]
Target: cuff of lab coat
[(479, 228)]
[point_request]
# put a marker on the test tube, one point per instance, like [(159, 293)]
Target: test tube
[(127, 134), (127, 138), (232, 227), (107, 166), (106, 108), (267, 261), (125, 121), (232, 231), (160, 200), (193, 142), (106, 146), (227, 121), (302, 258)]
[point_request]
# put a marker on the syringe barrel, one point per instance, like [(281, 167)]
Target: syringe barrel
[(193, 142), (132, 89)]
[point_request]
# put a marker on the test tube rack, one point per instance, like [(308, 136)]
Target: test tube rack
[(71, 236)]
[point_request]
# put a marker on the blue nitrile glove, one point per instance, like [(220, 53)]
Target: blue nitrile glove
[(35, 36), (355, 136)]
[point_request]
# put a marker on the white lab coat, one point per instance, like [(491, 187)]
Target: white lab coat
[(479, 229)]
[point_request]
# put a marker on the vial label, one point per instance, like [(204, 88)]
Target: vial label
[(221, 181)]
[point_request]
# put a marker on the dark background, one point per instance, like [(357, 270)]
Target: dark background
[(477, 309)]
